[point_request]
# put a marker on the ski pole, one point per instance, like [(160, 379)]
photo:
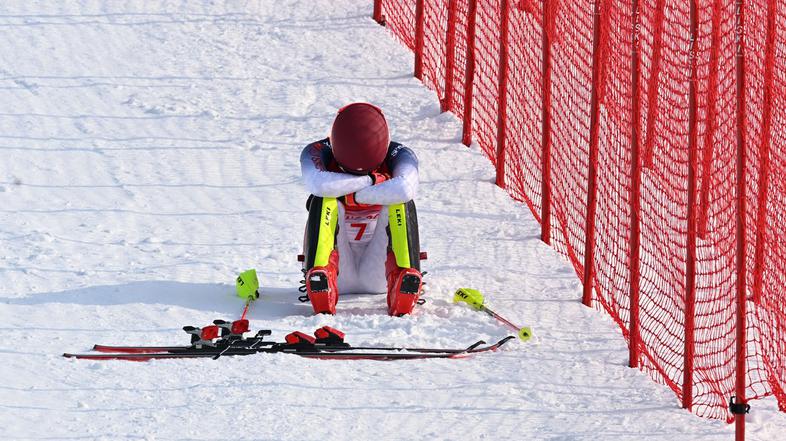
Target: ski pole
[(474, 298), (245, 310)]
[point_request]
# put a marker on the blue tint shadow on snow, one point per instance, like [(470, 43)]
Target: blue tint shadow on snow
[(217, 298)]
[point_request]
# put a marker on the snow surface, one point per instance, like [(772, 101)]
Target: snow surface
[(150, 153)]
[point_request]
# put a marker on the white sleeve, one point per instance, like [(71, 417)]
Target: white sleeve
[(403, 185), (323, 183)]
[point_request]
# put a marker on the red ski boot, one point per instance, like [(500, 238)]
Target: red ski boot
[(322, 286), (403, 287)]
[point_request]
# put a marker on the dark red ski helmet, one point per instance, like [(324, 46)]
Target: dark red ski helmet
[(360, 137)]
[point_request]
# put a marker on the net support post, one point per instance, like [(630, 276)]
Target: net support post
[(690, 248), (446, 103), (545, 215), (502, 103), (377, 14), (592, 190), (741, 269), (469, 77), (420, 17), (635, 198)]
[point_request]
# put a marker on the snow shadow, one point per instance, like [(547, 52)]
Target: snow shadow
[(209, 297)]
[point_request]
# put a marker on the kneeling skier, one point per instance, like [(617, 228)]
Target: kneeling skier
[(361, 234)]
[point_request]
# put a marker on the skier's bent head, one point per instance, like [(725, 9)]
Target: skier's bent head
[(360, 138)]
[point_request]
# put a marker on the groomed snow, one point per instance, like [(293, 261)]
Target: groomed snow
[(150, 153)]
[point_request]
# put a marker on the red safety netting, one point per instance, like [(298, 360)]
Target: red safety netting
[(485, 96), (766, 110), (571, 59), (688, 220), (399, 17), (459, 55), (523, 161), (613, 166), (435, 24)]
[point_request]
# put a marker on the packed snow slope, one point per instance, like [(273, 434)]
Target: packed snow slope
[(150, 153)]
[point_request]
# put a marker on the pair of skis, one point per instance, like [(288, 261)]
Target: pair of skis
[(226, 339)]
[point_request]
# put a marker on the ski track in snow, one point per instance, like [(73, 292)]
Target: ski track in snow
[(150, 153)]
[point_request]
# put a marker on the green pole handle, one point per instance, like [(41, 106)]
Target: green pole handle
[(471, 297)]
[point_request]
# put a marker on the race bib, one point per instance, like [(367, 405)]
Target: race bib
[(360, 225)]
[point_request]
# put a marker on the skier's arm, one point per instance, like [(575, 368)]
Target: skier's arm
[(403, 185), (323, 183)]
